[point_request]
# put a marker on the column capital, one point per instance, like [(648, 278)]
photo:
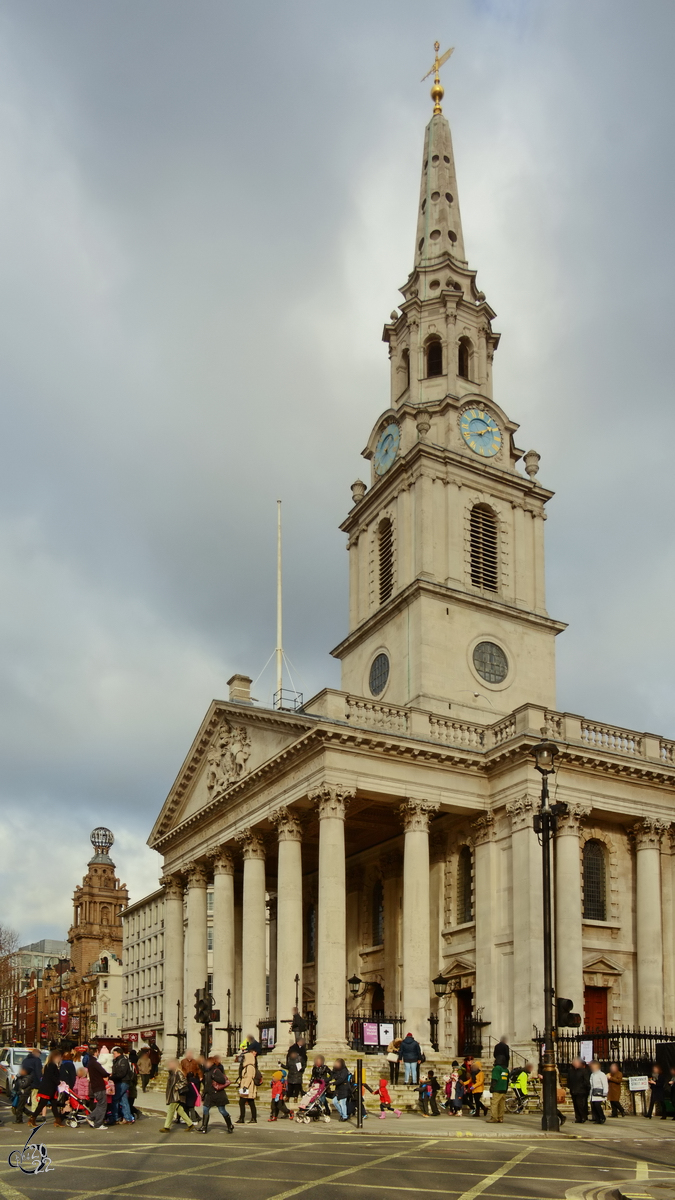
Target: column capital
[(173, 887), (197, 873), (287, 824), (521, 812), (570, 822), (251, 844), (647, 834), (223, 862), (483, 829), (331, 801), (416, 814)]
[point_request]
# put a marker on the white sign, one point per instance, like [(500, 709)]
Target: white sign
[(638, 1083), (386, 1033), (586, 1051)]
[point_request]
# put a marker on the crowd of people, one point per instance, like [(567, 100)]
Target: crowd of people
[(99, 1087)]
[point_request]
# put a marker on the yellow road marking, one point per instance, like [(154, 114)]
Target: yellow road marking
[(375, 1162), (641, 1169), (490, 1179), (11, 1193)]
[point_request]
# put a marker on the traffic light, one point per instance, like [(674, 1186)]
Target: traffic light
[(564, 1015), (203, 1006)]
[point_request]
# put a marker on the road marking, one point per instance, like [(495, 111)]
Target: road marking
[(641, 1169), (375, 1162), (490, 1179), (11, 1193)]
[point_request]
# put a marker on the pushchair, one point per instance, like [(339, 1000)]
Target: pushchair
[(311, 1105), (78, 1112)]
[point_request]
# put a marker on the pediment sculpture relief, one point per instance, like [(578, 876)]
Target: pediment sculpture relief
[(227, 758)]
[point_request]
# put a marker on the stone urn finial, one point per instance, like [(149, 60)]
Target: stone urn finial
[(358, 491), (532, 460), (423, 424)]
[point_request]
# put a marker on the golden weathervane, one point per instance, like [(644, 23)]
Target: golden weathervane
[(436, 90)]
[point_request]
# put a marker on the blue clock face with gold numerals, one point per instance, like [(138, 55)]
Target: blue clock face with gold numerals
[(480, 431), (387, 448)]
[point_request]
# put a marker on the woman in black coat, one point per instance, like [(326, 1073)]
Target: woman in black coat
[(67, 1070), (48, 1089), (215, 1097)]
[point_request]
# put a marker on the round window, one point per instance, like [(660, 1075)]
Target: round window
[(379, 674), (491, 662)]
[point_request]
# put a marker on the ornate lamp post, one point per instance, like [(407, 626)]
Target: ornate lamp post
[(544, 824)]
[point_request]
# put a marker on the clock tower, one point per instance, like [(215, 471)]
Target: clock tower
[(447, 608)]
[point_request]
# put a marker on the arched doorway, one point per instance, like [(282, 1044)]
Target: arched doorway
[(377, 1000)]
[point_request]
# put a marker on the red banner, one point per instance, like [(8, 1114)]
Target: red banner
[(148, 1035), (130, 1037), (63, 1016)]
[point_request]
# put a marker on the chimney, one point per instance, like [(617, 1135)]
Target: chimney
[(240, 689)]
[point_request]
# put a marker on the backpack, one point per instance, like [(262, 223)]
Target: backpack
[(257, 1078), (514, 1074)]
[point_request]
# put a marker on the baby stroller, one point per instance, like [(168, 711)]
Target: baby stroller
[(311, 1107), (78, 1111)]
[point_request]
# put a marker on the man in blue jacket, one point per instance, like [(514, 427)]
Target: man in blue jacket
[(410, 1055)]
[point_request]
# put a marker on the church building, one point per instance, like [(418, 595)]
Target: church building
[(383, 832)]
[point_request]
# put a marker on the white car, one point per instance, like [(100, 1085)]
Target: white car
[(11, 1058)]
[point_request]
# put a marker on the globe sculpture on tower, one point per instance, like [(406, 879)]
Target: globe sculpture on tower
[(101, 839)]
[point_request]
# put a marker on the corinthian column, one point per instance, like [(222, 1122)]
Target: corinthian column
[(253, 964), (528, 933), (197, 962), (223, 931), (569, 969), (648, 835), (416, 946), (487, 994), (173, 1015), (331, 965), (289, 917)]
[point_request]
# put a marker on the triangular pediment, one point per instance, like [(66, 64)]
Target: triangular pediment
[(600, 964), (233, 741)]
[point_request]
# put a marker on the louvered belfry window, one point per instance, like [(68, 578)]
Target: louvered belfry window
[(484, 548), (464, 886), (386, 555)]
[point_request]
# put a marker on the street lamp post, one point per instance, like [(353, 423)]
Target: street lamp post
[(544, 823)]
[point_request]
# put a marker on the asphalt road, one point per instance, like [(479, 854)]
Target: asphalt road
[(326, 1163)]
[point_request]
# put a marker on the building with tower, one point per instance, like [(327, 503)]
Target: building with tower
[(383, 833)]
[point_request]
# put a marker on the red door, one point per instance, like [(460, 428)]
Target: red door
[(464, 1011), (595, 1018)]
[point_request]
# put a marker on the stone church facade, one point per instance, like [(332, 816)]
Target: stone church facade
[(386, 830)]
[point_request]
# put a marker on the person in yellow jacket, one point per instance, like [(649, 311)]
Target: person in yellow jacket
[(520, 1086), (478, 1087)]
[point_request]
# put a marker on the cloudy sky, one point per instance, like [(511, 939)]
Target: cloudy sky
[(206, 209)]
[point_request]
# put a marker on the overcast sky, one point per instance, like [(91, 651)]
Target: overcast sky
[(206, 210)]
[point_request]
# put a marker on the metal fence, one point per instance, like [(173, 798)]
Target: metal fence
[(370, 1040), (635, 1050)]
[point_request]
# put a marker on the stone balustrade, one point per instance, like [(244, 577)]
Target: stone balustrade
[(371, 715)]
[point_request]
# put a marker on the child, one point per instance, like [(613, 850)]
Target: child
[(428, 1090), (278, 1104), (81, 1085), (22, 1089), (454, 1091), (385, 1100)]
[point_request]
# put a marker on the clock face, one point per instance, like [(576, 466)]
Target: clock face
[(387, 448), (480, 431)]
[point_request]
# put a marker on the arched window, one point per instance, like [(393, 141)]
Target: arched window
[(464, 358), (386, 559), (378, 914), (310, 934), (595, 901), (405, 361), (434, 359), (484, 538), (464, 886)]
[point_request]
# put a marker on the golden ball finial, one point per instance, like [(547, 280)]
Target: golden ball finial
[(437, 94)]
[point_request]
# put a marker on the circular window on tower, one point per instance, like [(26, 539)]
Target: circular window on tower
[(491, 662), (379, 674)]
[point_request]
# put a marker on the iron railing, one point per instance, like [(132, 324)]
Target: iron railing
[(355, 1031), (635, 1050)]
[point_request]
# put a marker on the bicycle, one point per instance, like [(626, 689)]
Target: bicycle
[(531, 1103)]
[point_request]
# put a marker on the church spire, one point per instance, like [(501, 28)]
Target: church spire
[(439, 225)]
